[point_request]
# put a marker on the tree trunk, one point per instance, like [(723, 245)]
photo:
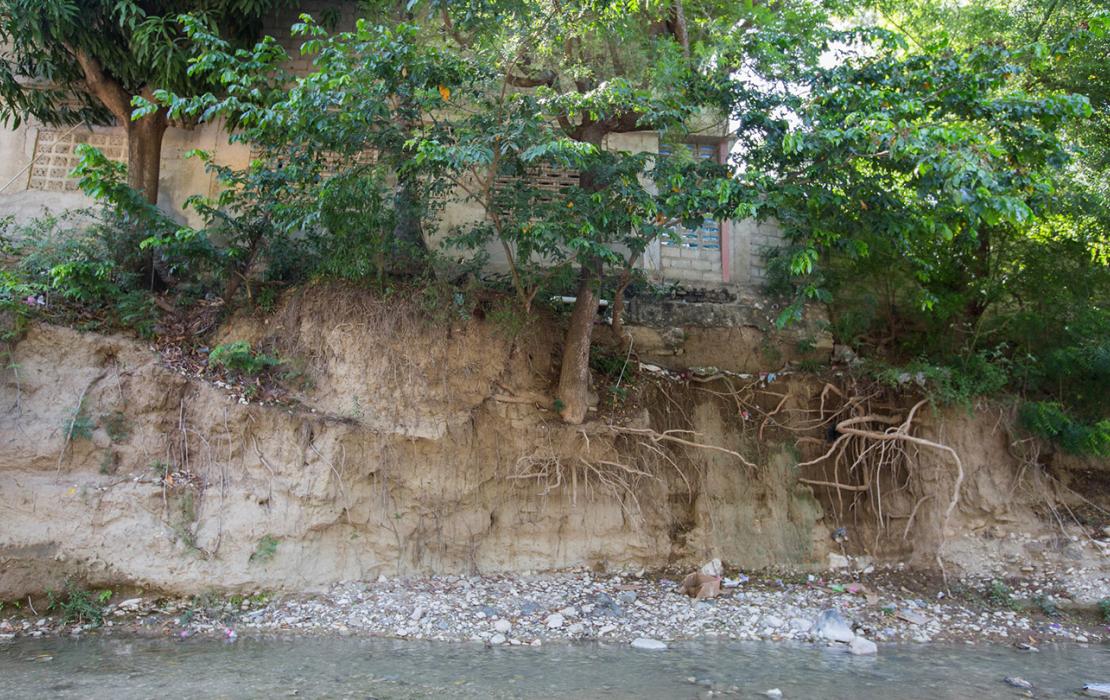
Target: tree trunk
[(617, 309), (978, 276), (574, 376), (144, 154), (144, 165)]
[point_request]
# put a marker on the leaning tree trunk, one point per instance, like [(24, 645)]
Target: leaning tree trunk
[(574, 376)]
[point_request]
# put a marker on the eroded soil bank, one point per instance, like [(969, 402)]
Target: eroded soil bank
[(405, 447)]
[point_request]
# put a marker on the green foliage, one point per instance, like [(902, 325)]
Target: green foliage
[(79, 425), (78, 605), (959, 382), (84, 262), (1001, 595), (238, 358), (115, 424), (1047, 605), (266, 549), (129, 46), (1050, 420), (136, 310), (134, 230), (933, 197), (1104, 609)]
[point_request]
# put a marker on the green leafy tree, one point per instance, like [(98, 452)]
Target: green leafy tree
[(72, 61), (563, 79), (933, 196), (453, 100), (937, 160), (330, 143)]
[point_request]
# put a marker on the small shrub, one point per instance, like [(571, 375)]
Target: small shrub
[(78, 605), (1001, 595), (1047, 605), (1104, 609), (137, 311), (115, 424), (79, 426), (266, 549), (239, 359)]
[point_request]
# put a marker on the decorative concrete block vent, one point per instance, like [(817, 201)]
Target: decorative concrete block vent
[(56, 156)]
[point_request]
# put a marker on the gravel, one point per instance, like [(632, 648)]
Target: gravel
[(581, 605)]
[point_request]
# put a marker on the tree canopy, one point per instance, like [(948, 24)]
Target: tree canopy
[(72, 61), (938, 169)]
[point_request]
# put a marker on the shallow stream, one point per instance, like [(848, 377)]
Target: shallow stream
[(119, 668)]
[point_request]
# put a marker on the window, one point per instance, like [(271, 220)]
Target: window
[(706, 237)]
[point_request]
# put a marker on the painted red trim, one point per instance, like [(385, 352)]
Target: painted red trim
[(726, 229)]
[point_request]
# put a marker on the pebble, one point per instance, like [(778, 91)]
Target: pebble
[(577, 604)]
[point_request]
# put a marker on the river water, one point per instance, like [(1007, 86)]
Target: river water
[(120, 668)]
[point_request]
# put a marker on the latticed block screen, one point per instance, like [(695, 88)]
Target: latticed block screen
[(56, 156), (333, 163), (543, 177)]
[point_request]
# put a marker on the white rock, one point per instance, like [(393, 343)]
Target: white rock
[(606, 630), (417, 614), (554, 621), (860, 646), (130, 603), (838, 561), (576, 629), (503, 626), (831, 626), (774, 693), (650, 644), (713, 568), (497, 639)]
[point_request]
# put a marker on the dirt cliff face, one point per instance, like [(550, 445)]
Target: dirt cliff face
[(416, 448)]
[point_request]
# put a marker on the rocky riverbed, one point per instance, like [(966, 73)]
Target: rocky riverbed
[(855, 610)]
